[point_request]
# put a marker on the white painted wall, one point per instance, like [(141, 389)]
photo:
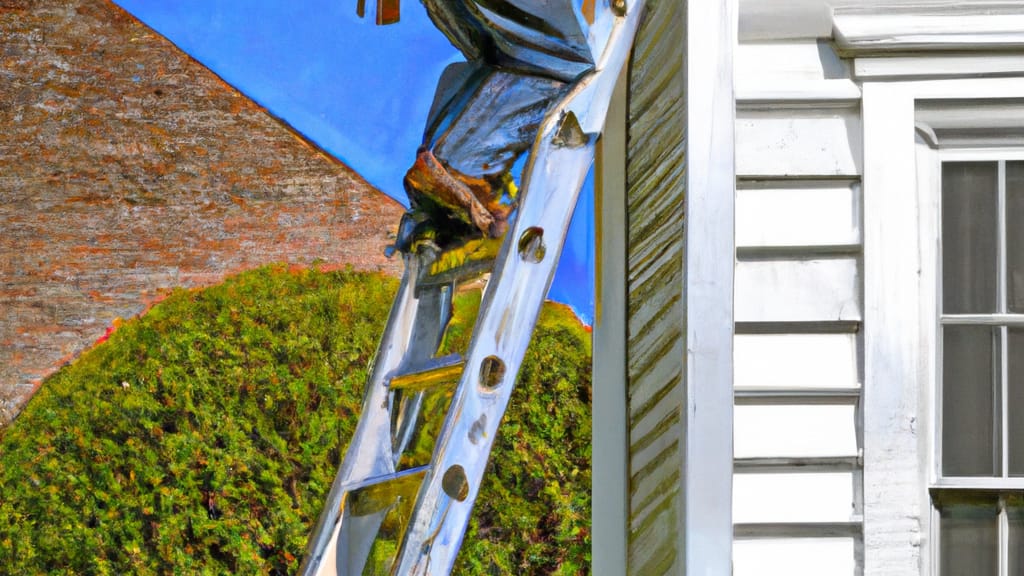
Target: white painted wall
[(798, 213), (799, 142), (766, 361), (797, 486), (835, 349)]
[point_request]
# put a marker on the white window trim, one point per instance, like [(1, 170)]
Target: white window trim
[(999, 318), (901, 313), (981, 155), (965, 485), (929, 39)]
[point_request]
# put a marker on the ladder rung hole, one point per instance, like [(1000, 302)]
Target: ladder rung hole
[(492, 372), (454, 483), (531, 245)]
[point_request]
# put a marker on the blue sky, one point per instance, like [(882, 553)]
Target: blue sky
[(360, 91)]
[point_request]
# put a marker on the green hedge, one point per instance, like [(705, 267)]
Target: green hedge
[(202, 437)]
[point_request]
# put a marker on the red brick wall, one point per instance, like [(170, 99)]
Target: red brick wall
[(126, 168)]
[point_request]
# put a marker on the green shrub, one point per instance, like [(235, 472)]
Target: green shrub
[(202, 437)]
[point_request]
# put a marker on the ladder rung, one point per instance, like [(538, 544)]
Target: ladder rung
[(459, 274), (438, 371), (373, 512), (761, 396), (394, 476), (473, 259), (796, 464)]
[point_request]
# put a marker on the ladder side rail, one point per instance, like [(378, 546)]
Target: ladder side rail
[(446, 500), (369, 451)]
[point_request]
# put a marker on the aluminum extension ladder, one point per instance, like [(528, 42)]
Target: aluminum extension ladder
[(392, 509)]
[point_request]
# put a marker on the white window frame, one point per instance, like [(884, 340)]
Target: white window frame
[(985, 154), (968, 485), (902, 313)]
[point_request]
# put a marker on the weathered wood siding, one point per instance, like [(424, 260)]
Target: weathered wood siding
[(681, 189), (655, 182)]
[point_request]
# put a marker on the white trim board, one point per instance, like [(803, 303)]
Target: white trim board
[(995, 26), (710, 248), (938, 66), (775, 93), (972, 123), (894, 483)]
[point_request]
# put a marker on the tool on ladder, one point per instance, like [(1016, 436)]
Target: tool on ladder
[(403, 495)]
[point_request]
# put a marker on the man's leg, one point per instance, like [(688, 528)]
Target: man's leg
[(481, 122)]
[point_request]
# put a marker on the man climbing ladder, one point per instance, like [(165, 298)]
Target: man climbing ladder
[(540, 76)]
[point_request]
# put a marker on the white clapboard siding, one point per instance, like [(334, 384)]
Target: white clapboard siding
[(760, 63), (794, 557), (797, 471), (795, 361), (797, 431), (814, 497), (938, 66), (798, 213), (797, 290), (767, 92), (798, 142)]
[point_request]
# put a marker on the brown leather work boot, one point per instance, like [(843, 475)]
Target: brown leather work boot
[(469, 199)]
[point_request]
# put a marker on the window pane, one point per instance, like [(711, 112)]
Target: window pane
[(969, 540), (1015, 513), (970, 404), (1015, 236), (969, 213), (1015, 362)]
